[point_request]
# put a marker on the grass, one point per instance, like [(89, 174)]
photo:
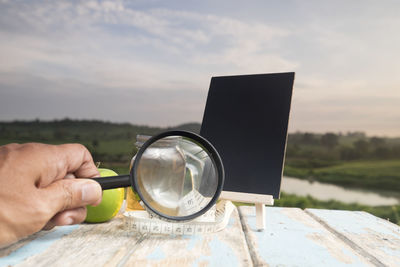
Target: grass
[(377, 174), (391, 213), (116, 147), (113, 145), (110, 147)]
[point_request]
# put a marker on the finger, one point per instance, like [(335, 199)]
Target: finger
[(69, 217), (69, 176), (79, 161), (50, 163), (66, 194)]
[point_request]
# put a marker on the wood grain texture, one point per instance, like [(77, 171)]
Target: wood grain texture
[(260, 215), (111, 244), (378, 239), (32, 246), (8, 250), (224, 248), (293, 238), (87, 245), (247, 197)]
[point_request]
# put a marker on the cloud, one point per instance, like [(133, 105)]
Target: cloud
[(118, 52), (108, 39), (107, 50)]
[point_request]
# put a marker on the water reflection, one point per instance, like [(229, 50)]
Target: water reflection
[(323, 191)]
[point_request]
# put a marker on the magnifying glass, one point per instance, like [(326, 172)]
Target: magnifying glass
[(177, 174)]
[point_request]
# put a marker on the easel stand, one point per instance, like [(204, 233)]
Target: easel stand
[(259, 201)]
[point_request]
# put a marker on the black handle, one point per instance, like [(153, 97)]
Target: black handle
[(111, 182)]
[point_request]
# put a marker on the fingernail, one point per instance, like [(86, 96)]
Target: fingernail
[(69, 221), (90, 192)]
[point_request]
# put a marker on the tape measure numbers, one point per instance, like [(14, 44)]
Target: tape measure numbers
[(212, 221)]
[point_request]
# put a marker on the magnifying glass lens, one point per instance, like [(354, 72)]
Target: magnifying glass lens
[(176, 176)]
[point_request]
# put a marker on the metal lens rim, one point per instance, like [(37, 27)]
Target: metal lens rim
[(215, 157)]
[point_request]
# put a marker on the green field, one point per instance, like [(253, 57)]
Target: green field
[(351, 160), (372, 174)]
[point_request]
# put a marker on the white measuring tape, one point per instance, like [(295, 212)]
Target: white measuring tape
[(212, 221)]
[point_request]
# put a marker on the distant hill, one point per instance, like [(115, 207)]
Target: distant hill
[(75, 130), (192, 127), (108, 141), (116, 141)]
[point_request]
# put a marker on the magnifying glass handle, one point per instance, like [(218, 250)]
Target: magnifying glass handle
[(111, 182)]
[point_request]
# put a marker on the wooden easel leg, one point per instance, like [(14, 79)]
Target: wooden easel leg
[(260, 216)]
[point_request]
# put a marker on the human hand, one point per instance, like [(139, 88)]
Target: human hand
[(35, 193)]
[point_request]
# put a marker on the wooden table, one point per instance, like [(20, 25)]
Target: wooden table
[(293, 237)]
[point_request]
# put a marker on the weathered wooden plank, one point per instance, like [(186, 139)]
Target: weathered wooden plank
[(10, 249), (35, 248), (224, 248), (80, 245), (86, 245), (32, 245), (111, 244), (378, 238), (293, 238)]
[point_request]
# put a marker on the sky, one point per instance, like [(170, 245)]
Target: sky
[(150, 61)]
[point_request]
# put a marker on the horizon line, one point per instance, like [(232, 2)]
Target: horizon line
[(297, 131)]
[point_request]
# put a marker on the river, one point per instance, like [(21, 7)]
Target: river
[(324, 191)]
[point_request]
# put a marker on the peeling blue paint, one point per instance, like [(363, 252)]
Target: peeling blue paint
[(287, 242), (193, 241), (361, 225), (157, 254), (356, 222), (36, 246), (222, 255), (391, 252), (231, 222)]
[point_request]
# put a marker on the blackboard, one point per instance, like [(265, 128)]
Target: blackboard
[(246, 119)]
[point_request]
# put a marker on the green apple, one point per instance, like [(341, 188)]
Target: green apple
[(110, 204)]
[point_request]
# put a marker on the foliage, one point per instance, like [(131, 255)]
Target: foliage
[(330, 140), (339, 147), (383, 174), (350, 160), (108, 142)]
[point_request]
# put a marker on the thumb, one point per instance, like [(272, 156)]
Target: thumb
[(68, 194)]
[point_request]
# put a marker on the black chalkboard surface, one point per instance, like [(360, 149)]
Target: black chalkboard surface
[(246, 119)]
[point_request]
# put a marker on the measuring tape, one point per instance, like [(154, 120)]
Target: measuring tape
[(212, 221)]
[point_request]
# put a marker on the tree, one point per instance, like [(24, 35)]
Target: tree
[(382, 153), (377, 141), (309, 139), (330, 140), (291, 150), (60, 133), (361, 147), (396, 151), (348, 153), (95, 144)]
